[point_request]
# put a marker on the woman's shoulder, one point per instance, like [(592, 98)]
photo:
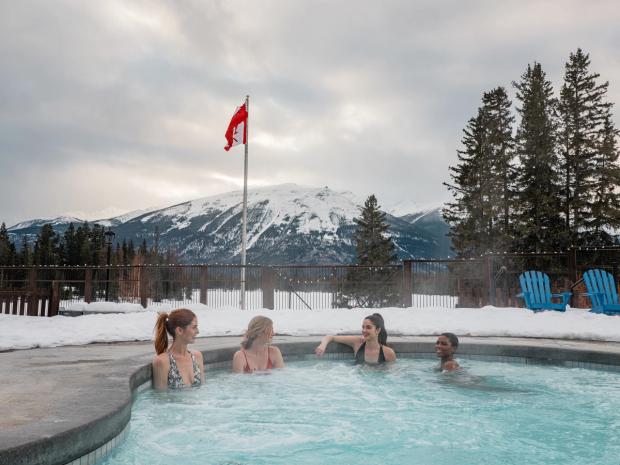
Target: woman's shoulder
[(450, 365), (389, 353), (274, 350), (197, 354), (161, 359)]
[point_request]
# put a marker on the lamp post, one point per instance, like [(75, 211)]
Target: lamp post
[(109, 235)]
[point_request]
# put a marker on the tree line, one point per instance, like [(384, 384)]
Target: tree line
[(85, 245), (543, 179)]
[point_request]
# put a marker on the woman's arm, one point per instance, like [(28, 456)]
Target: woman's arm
[(238, 362), (389, 354), (161, 366), (201, 364), (352, 341), (276, 357)]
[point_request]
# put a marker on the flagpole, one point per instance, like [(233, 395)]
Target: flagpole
[(244, 230)]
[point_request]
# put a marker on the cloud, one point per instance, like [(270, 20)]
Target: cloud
[(123, 105)]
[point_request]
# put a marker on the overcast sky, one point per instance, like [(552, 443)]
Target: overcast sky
[(111, 106)]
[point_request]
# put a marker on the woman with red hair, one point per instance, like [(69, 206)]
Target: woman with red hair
[(177, 367)]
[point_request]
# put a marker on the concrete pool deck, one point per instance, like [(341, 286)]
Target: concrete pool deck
[(64, 402)]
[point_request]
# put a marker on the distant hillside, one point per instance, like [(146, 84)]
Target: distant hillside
[(286, 224)]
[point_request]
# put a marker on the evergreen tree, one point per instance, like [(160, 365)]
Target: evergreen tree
[(538, 224), (46, 246), (499, 151), (466, 214), (605, 184), (98, 245), (482, 181), (375, 286), (582, 113), (83, 242), (372, 243), (8, 253), (25, 254), (72, 246), (143, 250)]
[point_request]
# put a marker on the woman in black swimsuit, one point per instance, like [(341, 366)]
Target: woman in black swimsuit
[(368, 348)]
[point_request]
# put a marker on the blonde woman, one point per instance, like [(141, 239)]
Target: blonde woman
[(177, 366), (257, 353)]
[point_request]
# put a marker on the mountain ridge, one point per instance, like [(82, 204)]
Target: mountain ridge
[(286, 224)]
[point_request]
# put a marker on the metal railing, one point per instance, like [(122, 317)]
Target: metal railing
[(488, 280)]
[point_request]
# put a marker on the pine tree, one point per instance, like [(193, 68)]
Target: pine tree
[(8, 253), (24, 256), (72, 247), (582, 111), (372, 243), (482, 181), (466, 214), (499, 150), (605, 184), (7, 256), (538, 224), (46, 246), (84, 245), (373, 286)]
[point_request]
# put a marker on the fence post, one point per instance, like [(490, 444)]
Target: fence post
[(32, 290), (490, 281), (407, 285), (204, 283), (55, 301), (572, 272), (143, 287), (267, 282), (88, 285)]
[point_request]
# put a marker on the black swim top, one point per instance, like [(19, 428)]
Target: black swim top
[(360, 358)]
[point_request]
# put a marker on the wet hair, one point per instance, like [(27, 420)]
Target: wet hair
[(167, 323), (377, 320), (454, 341), (257, 326)]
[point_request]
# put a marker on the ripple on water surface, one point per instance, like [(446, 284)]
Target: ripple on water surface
[(327, 412)]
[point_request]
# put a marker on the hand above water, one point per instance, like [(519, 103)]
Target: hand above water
[(320, 349)]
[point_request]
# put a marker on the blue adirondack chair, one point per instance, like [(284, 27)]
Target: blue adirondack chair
[(536, 292), (602, 292)]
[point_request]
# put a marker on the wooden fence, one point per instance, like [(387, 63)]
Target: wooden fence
[(488, 280)]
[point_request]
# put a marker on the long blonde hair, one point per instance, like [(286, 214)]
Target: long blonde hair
[(167, 323), (257, 326)]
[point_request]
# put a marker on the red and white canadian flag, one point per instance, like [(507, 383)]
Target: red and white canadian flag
[(237, 129)]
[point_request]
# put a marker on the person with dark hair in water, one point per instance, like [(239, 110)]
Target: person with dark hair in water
[(445, 347), (368, 348), (177, 366)]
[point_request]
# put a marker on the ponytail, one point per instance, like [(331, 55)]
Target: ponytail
[(168, 323), (161, 333), (257, 326), (377, 320)]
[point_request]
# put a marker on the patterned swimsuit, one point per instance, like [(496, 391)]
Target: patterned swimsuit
[(175, 380)]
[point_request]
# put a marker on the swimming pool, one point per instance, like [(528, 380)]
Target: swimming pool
[(317, 412)]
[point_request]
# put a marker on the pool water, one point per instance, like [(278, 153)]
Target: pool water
[(328, 412)]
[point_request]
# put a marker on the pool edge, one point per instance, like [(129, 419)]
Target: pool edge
[(83, 442)]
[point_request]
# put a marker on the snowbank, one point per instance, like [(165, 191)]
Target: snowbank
[(21, 332)]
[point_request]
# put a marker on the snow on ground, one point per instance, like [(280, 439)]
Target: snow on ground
[(22, 332)]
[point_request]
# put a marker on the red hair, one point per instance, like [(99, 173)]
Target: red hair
[(168, 323)]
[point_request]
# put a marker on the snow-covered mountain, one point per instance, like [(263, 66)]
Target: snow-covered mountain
[(286, 224)]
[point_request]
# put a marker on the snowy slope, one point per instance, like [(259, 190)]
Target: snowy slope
[(286, 224)]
